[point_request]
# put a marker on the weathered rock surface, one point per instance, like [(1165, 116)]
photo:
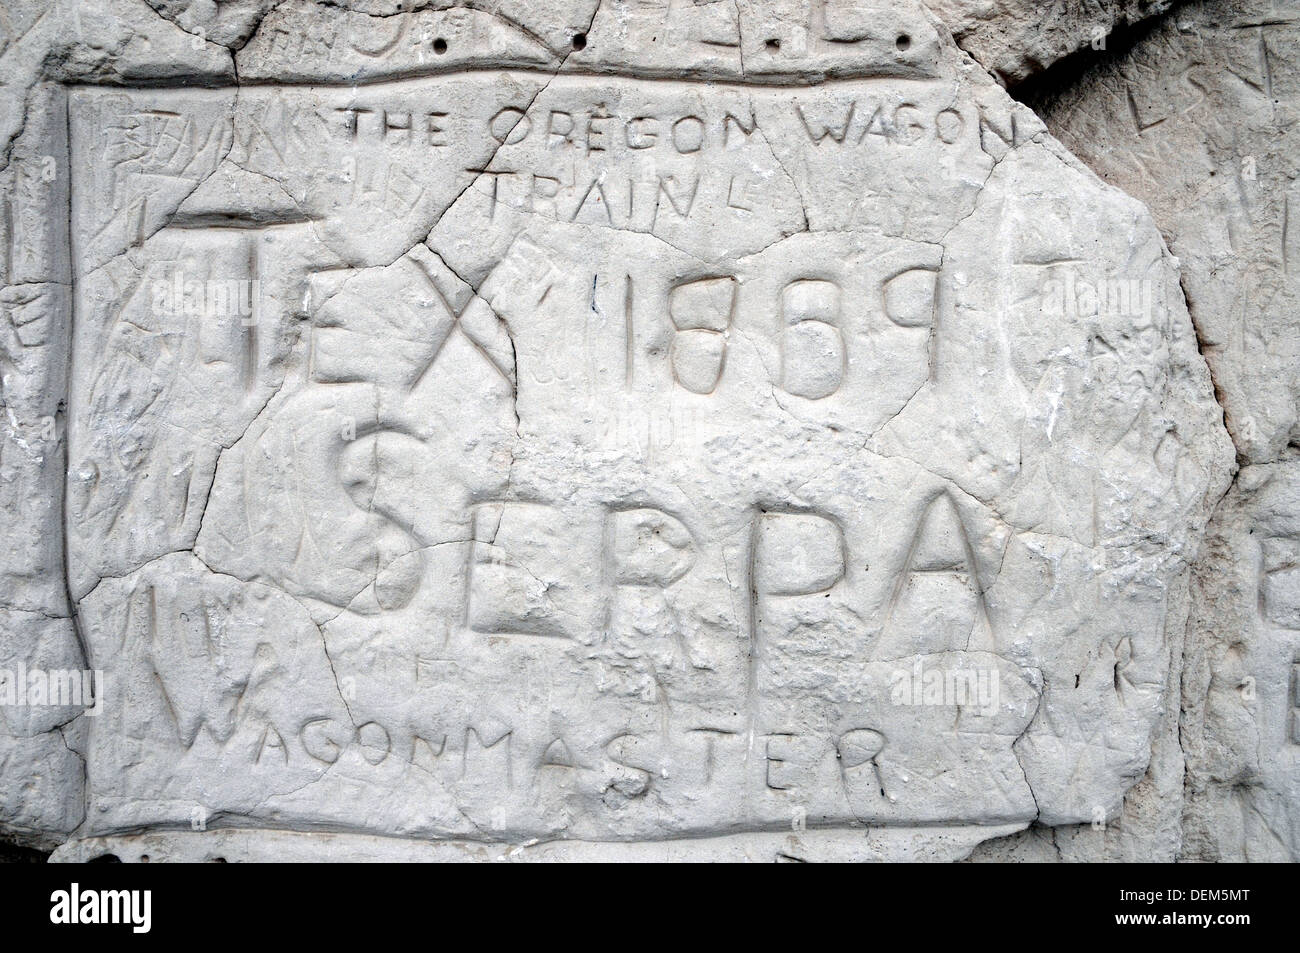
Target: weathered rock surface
[(1199, 120), (1014, 39), (590, 426)]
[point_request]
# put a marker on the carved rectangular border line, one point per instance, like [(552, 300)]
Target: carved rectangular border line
[(167, 189)]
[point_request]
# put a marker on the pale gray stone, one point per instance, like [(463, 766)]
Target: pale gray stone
[(727, 431), (1241, 688), (1199, 120), (235, 846), (1014, 39)]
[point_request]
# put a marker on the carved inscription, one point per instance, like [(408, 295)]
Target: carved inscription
[(586, 456)]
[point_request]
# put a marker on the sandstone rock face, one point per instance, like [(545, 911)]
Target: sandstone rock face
[(647, 431), (1014, 39), (1200, 121)]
